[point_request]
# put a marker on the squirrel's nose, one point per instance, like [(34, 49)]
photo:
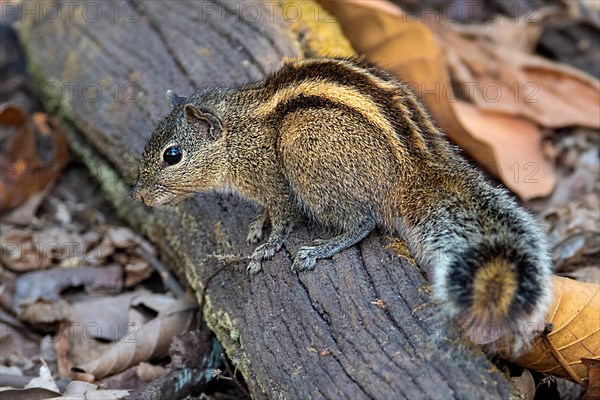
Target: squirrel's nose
[(136, 193)]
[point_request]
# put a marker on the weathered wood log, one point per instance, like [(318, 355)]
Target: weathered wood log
[(361, 324)]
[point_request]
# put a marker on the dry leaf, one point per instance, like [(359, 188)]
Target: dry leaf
[(79, 390), (312, 25), (128, 242), (48, 285), (27, 249), (575, 315), (585, 274), (148, 372), (88, 328), (34, 156), (408, 48), (525, 384), (511, 81), (520, 168), (574, 231), (146, 341), (28, 394), (38, 294), (41, 387), (107, 314), (43, 380), (593, 390)]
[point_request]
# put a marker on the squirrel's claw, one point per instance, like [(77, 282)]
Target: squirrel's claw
[(265, 251), (254, 267)]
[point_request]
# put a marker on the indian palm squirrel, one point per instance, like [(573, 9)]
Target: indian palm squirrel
[(344, 143)]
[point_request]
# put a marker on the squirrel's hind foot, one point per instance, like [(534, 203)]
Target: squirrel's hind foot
[(306, 258)]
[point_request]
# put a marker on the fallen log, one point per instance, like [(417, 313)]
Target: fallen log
[(361, 325)]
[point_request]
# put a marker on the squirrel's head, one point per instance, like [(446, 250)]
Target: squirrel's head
[(185, 155)]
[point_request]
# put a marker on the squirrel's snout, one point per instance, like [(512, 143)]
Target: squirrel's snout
[(136, 193)]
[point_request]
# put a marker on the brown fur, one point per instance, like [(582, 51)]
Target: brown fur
[(494, 286), (346, 144)]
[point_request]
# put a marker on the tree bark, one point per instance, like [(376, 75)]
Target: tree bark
[(361, 325)]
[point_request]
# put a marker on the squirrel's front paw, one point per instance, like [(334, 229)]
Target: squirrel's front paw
[(306, 258), (265, 251)]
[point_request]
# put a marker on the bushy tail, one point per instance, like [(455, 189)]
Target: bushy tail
[(499, 287)]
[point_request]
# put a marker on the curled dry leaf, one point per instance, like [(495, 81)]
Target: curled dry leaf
[(38, 294), (575, 316), (149, 340), (122, 244), (89, 327), (27, 250), (34, 156), (408, 48)]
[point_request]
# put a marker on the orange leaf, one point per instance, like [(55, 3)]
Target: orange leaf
[(31, 161), (593, 389), (575, 315)]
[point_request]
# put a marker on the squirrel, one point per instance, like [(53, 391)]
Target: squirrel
[(344, 143)]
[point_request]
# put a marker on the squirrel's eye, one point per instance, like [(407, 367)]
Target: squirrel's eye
[(172, 155)]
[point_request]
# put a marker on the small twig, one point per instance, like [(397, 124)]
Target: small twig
[(169, 281), (235, 380), (225, 261)]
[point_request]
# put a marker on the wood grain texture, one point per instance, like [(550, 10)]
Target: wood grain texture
[(360, 325)]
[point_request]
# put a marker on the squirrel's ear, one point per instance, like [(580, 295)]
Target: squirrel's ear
[(203, 120), (173, 99)]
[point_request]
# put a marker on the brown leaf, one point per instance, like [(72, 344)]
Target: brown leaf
[(33, 158), (409, 49), (586, 274), (121, 238), (518, 158), (146, 341), (108, 314), (511, 81), (149, 372), (27, 249), (593, 390), (575, 315)]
